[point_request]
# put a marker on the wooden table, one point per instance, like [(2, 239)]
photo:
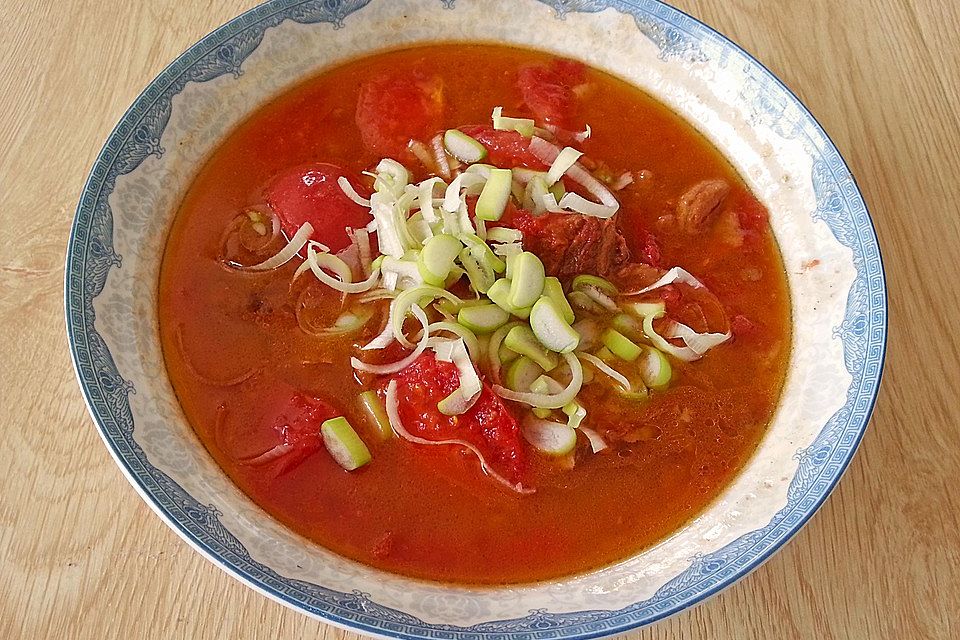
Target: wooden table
[(81, 556)]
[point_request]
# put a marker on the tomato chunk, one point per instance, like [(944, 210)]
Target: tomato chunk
[(505, 149), (398, 107), (296, 421), (548, 90), (488, 425), (310, 193)]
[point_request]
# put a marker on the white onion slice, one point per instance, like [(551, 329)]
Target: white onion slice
[(493, 350), (625, 179), (286, 254), (393, 414), (508, 249), (675, 274), (425, 198), (583, 135), (700, 343), (385, 338), (576, 202), (351, 193), (440, 155), (549, 400), (405, 302), (320, 261), (399, 365), (600, 298), (547, 152), (681, 353), (597, 443), (469, 338), (268, 456), (564, 160), (389, 236), (422, 152), (361, 238), (464, 396), (607, 369)]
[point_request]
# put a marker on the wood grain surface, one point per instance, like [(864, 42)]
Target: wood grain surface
[(81, 555)]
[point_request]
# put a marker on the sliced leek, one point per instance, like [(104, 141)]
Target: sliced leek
[(343, 443)]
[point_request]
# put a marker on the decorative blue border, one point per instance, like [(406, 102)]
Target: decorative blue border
[(91, 256)]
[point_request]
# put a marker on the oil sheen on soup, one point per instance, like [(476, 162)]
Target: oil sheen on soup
[(490, 327)]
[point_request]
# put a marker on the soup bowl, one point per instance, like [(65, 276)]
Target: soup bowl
[(825, 235)]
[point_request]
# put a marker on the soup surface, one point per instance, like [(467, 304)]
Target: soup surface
[(259, 360)]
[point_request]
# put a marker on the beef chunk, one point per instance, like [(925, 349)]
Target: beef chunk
[(570, 244)]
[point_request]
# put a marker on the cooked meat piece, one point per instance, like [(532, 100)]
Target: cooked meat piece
[(700, 203), (570, 244)]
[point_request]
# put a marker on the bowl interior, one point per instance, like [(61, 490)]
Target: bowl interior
[(818, 217)]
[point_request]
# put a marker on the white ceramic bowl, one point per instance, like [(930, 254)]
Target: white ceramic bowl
[(825, 234)]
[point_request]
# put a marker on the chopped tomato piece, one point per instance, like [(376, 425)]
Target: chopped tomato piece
[(505, 149), (752, 217), (296, 420), (751, 213), (649, 252), (548, 91), (741, 326), (398, 107), (310, 193), (670, 295), (488, 425)]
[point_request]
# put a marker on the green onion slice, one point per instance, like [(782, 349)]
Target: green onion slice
[(344, 444), (499, 294), (286, 254), (551, 438), (554, 290), (465, 395), (597, 443), (549, 401), (523, 126), (378, 415), (393, 367), (463, 147), (522, 340), (521, 374), (406, 302), (620, 345), (655, 369), (437, 257), (469, 338), (495, 195), (551, 328), (527, 280), (494, 348), (483, 318), (585, 281)]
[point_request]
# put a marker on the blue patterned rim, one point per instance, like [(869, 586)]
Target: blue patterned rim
[(91, 256)]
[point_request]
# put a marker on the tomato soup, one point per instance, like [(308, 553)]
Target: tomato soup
[(539, 337)]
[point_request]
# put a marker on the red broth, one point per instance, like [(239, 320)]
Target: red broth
[(234, 350)]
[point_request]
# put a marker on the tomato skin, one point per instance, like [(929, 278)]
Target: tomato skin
[(505, 149), (296, 420), (488, 425), (310, 193), (394, 108), (548, 91)]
